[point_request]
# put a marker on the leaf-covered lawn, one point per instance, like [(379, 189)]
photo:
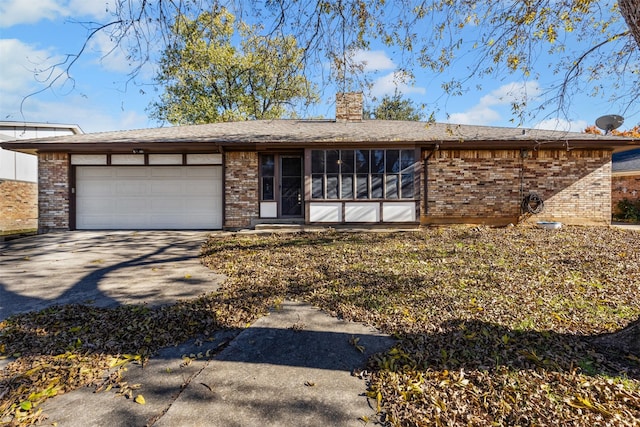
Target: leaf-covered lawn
[(494, 325)]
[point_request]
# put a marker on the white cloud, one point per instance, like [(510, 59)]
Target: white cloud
[(510, 93), (475, 116), (486, 111), (372, 60), (115, 59), (16, 12), (94, 8), (562, 125), (17, 64), (392, 82)]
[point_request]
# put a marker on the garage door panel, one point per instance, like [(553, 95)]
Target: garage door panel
[(130, 188), (89, 173), (97, 206), (173, 172), (201, 205), (170, 188), (207, 173), (130, 205), (130, 172), (93, 187), (148, 197)]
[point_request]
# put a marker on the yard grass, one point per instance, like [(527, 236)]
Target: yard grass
[(494, 326)]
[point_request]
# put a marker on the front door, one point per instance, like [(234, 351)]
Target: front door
[(291, 186)]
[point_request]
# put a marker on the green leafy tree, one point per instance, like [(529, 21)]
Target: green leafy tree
[(394, 108), (207, 79)]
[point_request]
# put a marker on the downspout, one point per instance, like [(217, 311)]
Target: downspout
[(524, 153), (426, 176)]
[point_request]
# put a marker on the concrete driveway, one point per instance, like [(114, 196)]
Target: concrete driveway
[(102, 268)]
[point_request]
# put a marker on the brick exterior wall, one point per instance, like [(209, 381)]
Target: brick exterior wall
[(53, 191), (19, 207), (624, 187), (241, 189), (487, 186)]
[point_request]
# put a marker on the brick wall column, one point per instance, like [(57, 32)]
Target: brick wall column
[(53, 191), (241, 189)]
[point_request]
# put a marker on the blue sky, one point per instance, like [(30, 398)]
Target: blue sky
[(100, 96)]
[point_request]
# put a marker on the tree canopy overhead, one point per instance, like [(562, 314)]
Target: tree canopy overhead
[(584, 42)]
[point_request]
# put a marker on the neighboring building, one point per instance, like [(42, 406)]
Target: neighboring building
[(331, 172), (625, 177), (19, 176)]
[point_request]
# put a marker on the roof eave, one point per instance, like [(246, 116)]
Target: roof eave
[(35, 146)]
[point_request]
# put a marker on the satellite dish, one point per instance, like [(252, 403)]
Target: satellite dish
[(609, 122)]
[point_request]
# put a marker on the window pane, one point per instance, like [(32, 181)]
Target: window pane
[(377, 161), (267, 188), (392, 186), (347, 187), (376, 186), (333, 164), (332, 186), (393, 161), (317, 161), (407, 186), (362, 161), (346, 161), (407, 159), (362, 182), (317, 186), (267, 165)]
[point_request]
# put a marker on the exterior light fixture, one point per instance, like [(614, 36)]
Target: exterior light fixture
[(138, 151)]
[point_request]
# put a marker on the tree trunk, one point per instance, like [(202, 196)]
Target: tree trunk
[(630, 10), (626, 341)]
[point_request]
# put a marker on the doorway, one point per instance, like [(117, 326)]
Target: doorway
[(291, 186), (286, 196)]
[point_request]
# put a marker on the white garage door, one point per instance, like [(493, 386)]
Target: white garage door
[(148, 197)]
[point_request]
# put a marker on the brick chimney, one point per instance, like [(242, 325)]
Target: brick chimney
[(349, 107)]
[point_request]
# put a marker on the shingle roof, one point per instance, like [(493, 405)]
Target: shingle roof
[(326, 131), (626, 161)]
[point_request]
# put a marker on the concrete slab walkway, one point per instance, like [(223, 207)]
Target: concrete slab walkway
[(293, 367)]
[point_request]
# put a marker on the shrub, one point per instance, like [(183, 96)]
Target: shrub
[(628, 210)]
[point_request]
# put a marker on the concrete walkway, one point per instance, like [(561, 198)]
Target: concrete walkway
[(626, 226), (291, 368)]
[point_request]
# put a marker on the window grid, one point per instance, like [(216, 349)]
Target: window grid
[(362, 174)]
